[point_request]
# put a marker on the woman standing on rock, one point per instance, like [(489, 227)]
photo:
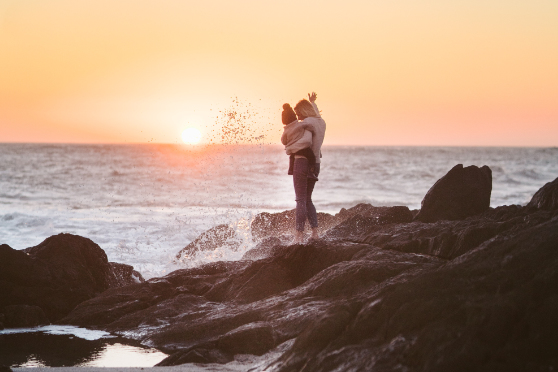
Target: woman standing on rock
[(303, 178)]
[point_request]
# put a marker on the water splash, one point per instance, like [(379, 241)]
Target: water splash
[(243, 123)]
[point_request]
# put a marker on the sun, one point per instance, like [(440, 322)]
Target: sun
[(191, 136)]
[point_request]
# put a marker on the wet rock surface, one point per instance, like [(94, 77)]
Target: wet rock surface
[(266, 247), (125, 274), (55, 276), (218, 236), (490, 309), (267, 225), (474, 294), (216, 311)]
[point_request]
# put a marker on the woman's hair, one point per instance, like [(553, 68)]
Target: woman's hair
[(288, 115), (304, 107)]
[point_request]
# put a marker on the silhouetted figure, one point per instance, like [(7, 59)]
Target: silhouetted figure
[(296, 138)]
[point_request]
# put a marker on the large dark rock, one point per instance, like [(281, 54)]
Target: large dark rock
[(493, 309), (546, 197), (361, 218), (57, 274), (217, 310), (254, 338), (450, 239), (384, 215), (24, 316), (266, 247), (461, 193)]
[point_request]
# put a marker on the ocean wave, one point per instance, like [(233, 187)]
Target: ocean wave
[(143, 204)]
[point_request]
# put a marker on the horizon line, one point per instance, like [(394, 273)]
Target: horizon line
[(259, 144)]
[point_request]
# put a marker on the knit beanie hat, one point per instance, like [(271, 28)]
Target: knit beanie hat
[(288, 115)]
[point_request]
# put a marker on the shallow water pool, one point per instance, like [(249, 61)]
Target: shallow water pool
[(65, 346)]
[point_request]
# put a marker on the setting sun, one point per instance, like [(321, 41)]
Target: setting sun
[(191, 136)]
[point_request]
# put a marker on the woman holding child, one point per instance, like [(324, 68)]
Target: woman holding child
[(303, 140)]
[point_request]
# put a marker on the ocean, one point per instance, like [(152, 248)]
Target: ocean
[(144, 203)]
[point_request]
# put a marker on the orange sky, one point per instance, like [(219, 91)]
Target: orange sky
[(404, 72)]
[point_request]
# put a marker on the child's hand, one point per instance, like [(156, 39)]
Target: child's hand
[(312, 97)]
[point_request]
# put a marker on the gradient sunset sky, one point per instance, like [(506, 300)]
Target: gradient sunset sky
[(405, 72)]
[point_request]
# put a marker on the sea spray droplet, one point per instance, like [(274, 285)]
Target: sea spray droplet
[(242, 124)]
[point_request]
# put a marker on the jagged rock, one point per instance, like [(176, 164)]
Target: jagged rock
[(450, 239), (495, 308), (267, 224), (359, 219), (125, 274), (196, 355), (383, 215), (282, 225), (216, 237), (117, 302), (254, 338), (461, 193), (368, 210), (386, 302), (546, 197), (24, 316), (56, 275), (479, 293), (199, 314)]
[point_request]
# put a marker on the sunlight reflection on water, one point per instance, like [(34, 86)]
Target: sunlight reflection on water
[(65, 346), (118, 355)]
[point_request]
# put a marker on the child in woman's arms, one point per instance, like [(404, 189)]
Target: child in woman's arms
[(297, 140)]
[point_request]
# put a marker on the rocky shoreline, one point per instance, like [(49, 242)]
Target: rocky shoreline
[(456, 286)]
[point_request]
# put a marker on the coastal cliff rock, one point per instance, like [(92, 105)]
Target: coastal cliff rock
[(546, 197), (380, 291), (494, 308), (461, 193), (57, 274), (480, 293), (194, 313)]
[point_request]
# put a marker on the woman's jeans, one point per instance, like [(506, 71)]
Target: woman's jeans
[(303, 190)]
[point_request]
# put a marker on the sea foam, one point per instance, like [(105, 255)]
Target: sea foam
[(144, 203)]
